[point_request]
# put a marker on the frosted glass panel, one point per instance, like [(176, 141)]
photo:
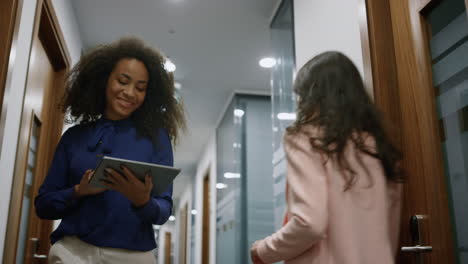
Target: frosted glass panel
[(449, 50), (258, 167), (27, 194), (229, 228), (283, 98), (244, 210)]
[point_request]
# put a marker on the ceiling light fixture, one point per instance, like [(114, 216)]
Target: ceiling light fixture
[(267, 62), (239, 112), (171, 218), (169, 66), (177, 85)]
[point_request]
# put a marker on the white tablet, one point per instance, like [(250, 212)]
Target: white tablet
[(162, 176)]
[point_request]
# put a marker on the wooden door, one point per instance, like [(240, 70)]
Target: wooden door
[(420, 71), (40, 130), (206, 221), (183, 234), (167, 248)]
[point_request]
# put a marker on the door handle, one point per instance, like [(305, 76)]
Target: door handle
[(417, 249), (36, 256), (416, 235), (35, 248)]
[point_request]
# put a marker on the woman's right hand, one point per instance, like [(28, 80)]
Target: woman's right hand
[(84, 189)]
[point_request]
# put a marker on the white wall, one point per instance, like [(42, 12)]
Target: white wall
[(14, 92), (69, 26), (324, 25)]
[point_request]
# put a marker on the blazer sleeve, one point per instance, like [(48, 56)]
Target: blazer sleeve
[(307, 203)]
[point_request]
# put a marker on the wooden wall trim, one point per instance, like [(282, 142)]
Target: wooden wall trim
[(51, 33), (9, 23), (8, 13), (205, 258)]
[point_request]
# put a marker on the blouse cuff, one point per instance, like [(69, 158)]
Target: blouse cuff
[(68, 196), (147, 211), (264, 253)]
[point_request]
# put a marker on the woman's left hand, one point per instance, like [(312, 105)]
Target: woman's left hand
[(137, 192), (254, 254)]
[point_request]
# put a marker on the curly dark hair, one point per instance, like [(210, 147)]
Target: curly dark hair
[(332, 97), (85, 95)]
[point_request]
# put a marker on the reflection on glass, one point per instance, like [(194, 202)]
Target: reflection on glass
[(244, 184), (449, 50), (228, 191), (283, 98), (27, 194)]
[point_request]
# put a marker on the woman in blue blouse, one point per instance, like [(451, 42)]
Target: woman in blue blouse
[(123, 99)]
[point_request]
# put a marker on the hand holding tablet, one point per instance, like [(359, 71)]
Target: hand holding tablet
[(162, 176)]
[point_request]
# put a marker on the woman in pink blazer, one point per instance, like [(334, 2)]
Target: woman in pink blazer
[(343, 187)]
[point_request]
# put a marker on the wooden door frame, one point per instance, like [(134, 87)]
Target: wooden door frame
[(167, 247), (183, 233), (10, 15), (394, 96), (8, 9), (46, 27), (206, 218)]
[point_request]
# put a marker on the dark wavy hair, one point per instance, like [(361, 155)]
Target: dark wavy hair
[(332, 97), (86, 84)]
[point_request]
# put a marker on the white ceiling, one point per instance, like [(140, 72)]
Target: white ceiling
[(215, 44)]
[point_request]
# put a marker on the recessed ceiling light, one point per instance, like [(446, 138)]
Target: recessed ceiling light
[(267, 62), (171, 218), (194, 212), (239, 112), (169, 66)]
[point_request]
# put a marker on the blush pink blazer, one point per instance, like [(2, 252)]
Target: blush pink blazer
[(327, 225)]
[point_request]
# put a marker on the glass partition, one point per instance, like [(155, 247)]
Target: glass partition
[(244, 185), (283, 98), (449, 50)]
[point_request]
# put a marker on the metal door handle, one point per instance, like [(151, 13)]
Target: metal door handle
[(36, 256), (35, 242), (415, 226), (417, 249)]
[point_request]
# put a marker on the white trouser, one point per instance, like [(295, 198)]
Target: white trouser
[(71, 250)]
